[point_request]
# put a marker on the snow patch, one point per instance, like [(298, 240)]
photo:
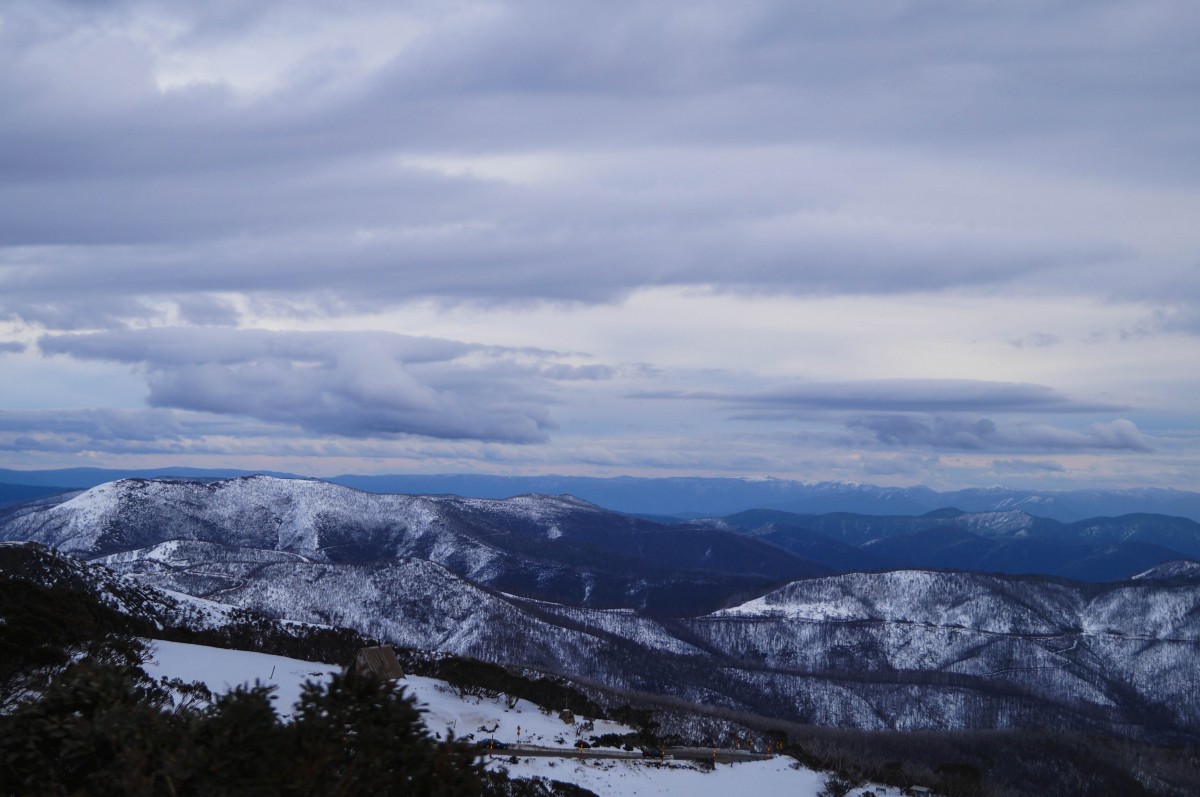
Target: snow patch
[(445, 710)]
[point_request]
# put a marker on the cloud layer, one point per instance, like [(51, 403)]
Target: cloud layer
[(346, 384), (984, 435), (883, 240), (517, 151)]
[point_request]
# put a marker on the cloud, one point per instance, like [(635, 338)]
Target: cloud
[(360, 385), (753, 149), (939, 189), (96, 424), (1036, 340), (983, 434), (123, 431), (910, 466), (893, 395), (165, 347), (1027, 466), (463, 239)]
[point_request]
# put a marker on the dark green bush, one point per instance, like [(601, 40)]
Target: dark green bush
[(103, 728)]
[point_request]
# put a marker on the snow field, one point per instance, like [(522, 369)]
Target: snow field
[(481, 717), (222, 670), (779, 776)]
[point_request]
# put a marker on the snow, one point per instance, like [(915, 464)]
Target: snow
[(484, 718), (637, 778), (222, 670), (481, 717)]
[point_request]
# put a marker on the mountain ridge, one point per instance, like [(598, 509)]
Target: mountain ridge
[(555, 548), (689, 496), (566, 549), (900, 649)]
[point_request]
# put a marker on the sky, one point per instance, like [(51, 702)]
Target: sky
[(950, 242)]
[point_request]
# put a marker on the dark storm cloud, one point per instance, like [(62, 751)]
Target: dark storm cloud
[(983, 434), (345, 384), (113, 189)]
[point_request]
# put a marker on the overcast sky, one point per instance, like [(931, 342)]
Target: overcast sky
[(954, 243)]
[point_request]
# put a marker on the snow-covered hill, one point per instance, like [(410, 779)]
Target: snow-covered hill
[(1081, 652), (902, 649), (891, 650), (478, 718), (556, 548)]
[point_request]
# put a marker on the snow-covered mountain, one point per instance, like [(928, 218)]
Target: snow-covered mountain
[(891, 650), (903, 649), (135, 599), (1077, 650), (554, 548), (698, 496)]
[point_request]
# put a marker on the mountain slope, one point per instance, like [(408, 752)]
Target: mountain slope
[(893, 650), (554, 548), (1119, 656), (905, 649), (1013, 542), (12, 494)]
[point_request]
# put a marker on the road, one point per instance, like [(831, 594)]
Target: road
[(722, 755)]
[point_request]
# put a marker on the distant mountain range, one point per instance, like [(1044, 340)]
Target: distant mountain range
[(690, 497), (710, 611), (1014, 542), (592, 556)]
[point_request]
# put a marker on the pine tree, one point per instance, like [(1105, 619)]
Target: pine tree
[(359, 734), (104, 728), (98, 729)]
